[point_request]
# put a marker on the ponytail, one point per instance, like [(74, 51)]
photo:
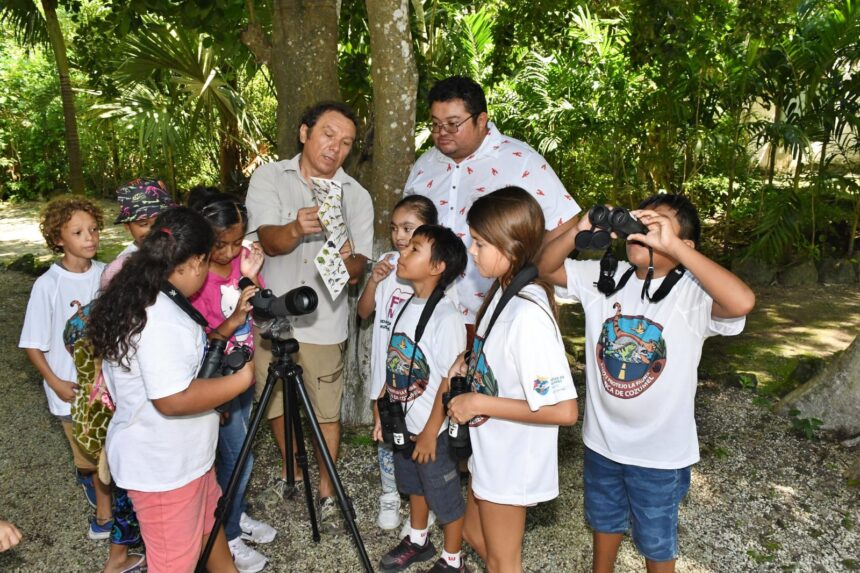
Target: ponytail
[(119, 314)]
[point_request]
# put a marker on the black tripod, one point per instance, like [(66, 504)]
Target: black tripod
[(284, 368)]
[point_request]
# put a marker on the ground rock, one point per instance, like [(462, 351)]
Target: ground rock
[(837, 271), (754, 272), (801, 274), (832, 396)]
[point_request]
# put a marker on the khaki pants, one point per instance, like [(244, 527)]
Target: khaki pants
[(322, 372), (82, 461)]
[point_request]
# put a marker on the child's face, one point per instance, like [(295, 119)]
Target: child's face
[(79, 236), (228, 244), (414, 263), (489, 260), (637, 253), (140, 229), (403, 224)]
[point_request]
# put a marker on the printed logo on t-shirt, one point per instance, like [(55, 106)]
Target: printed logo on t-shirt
[(401, 387), (397, 298), (483, 379), (230, 295), (631, 354)]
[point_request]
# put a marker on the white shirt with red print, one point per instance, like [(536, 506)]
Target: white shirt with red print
[(391, 293), (500, 161)]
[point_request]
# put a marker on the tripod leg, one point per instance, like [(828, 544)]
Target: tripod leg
[(227, 497), (289, 438), (302, 456), (293, 378)]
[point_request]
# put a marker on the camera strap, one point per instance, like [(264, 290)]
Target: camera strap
[(607, 286), (526, 275), (179, 299)]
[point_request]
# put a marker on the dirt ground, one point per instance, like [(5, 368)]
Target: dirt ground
[(762, 498)]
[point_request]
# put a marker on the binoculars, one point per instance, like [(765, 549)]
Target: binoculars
[(604, 222)]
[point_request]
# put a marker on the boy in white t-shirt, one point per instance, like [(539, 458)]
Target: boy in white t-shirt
[(645, 327), (71, 226), (427, 335)]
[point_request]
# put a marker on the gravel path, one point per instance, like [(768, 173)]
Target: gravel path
[(762, 499)]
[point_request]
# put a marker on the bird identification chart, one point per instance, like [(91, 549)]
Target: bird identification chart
[(328, 194)]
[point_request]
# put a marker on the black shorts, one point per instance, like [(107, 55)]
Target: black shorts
[(438, 481)]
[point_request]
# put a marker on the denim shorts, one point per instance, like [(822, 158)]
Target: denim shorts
[(621, 497), (438, 481)]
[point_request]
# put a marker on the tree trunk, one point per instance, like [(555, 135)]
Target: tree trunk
[(229, 154), (395, 87), (833, 396), (73, 145), (303, 62), (771, 160)]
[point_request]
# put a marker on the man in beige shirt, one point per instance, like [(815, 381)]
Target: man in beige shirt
[(281, 208)]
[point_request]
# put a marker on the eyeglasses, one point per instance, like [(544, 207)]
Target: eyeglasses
[(449, 126)]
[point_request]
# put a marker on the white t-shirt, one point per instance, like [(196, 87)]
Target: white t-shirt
[(147, 450), (56, 296), (443, 340), (512, 462), (391, 292), (641, 366), (453, 187)]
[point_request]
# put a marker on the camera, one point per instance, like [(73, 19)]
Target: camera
[(458, 434), (392, 418), (604, 222), (216, 363), (272, 313)]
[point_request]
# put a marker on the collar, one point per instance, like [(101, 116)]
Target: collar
[(292, 164)]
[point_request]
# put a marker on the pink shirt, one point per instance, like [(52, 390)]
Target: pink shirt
[(217, 300)]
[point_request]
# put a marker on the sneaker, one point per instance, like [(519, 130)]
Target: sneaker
[(330, 517), (256, 531), (405, 554), (245, 559), (99, 531), (441, 566), (389, 511), (86, 482), (407, 525)]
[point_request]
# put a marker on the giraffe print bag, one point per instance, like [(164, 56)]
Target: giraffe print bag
[(92, 408)]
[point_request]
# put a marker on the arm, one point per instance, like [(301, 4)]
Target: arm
[(732, 297), (206, 393), (464, 408), (554, 252), (65, 389), (367, 302)]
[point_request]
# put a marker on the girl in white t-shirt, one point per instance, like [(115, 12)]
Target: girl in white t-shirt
[(521, 382), (162, 437), (385, 292)]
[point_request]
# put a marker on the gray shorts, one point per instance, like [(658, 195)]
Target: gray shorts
[(438, 481)]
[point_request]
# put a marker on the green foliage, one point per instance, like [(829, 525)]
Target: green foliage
[(806, 427)]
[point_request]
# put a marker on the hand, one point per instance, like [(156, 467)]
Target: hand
[(661, 235), (246, 373), (459, 367), (243, 307), (425, 447), (346, 250), (65, 390), (307, 221), (9, 535), (381, 270), (377, 425), (252, 261), (464, 407)]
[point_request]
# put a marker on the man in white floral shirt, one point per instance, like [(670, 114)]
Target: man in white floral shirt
[(470, 158)]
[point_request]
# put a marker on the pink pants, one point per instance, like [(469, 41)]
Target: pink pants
[(174, 522)]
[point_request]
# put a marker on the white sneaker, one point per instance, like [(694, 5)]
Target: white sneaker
[(256, 531), (389, 511), (247, 560), (407, 525)]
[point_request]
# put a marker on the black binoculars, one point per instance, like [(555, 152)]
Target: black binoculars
[(458, 434), (392, 418), (604, 222)]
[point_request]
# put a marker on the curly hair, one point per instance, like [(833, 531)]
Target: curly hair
[(58, 212), (118, 316)]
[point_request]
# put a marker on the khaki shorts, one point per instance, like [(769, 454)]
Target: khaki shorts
[(322, 372), (82, 461)]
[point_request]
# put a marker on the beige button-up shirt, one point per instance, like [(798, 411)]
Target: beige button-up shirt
[(275, 194)]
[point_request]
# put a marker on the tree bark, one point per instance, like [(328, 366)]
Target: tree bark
[(73, 145), (395, 87), (832, 396)]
